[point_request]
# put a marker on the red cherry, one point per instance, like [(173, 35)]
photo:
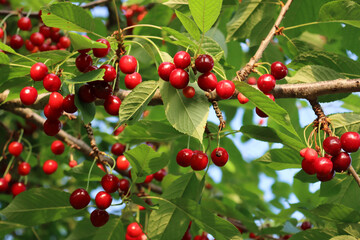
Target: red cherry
[(15, 148), (127, 64), (86, 93), (303, 151), (165, 70), (16, 41), (24, 168), (37, 39), (29, 45), (149, 178), (119, 130), (83, 61), (124, 185), (57, 147), (17, 188), (183, 158), (350, 141), (55, 35), (189, 92), (52, 127), (65, 42), (79, 199), (278, 70), (251, 80), (134, 230), (225, 89), (24, 24), (310, 154), (52, 114), (73, 163), (52, 83), (182, 59), (112, 105), (87, 49), (199, 161), (110, 73), (118, 149), (261, 113), (219, 156), (101, 89), (242, 99), (332, 145), (204, 63), (266, 83), (187, 236), (1, 33), (45, 31), (56, 100), (341, 162), (179, 78), (28, 95), (3, 185), (305, 225), (323, 166), (308, 166), (38, 71), (132, 80), (99, 217), (207, 81), (252, 235), (50, 166), (69, 104), (103, 200), (102, 52), (159, 175), (110, 183), (122, 163), (325, 178)]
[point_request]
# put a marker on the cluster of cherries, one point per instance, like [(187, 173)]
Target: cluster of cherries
[(334, 160), (133, 13), (198, 160), (177, 74), (134, 232)]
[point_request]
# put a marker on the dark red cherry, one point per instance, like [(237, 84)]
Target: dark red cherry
[(266, 83), (99, 217), (332, 145), (16, 41), (37, 39), (65, 42), (24, 168), (350, 141), (110, 183), (52, 127), (325, 178), (132, 80), (118, 149), (56, 100), (15, 148), (219, 156), (207, 81), (38, 71), (341, 162), (103, 200), (3, 185), (57, 147), (69, 104), (80, 198), (28, 95), (112, 105), (24, 24), (189, 92), (124, 185), (305, 225), (204, 63), (159, 175), (52, 83), (102, 52), (122, 163), (29, 45), (101, 89), (261, 113), (50, 166), (165, 70), (182, 59), (323, 166), (199, 161), (45, 31), (225, 89), (83, 61), (278, 70), (110, 73), (179, 78), (183, 158), (52, 114), (242, 99), (308, 166), (55, 36), (17, 188), (127, 64), (86, 93)]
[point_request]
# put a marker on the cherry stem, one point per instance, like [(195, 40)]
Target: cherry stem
[(117, 15), (142, 25), (89, 174), (188, 142), (30, 150), (8, 166)]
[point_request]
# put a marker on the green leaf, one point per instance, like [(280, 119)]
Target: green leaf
[(88, 77), (343, 237), (50, 57), (290, 228), (6, 48), (189, 25), (181, 38), (39, 205), (186, 115), (87, 110), (135, 103), (345, 122), (67, 16), (7, 227), (144, 161), (205, 13), (80, 42), (344, 11), (337, 213), (4, 59), (314, 73), (279, 159), (311, 234), (81, 172)]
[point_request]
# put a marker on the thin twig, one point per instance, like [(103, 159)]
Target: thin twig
[(354, 174)]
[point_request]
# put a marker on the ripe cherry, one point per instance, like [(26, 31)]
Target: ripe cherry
[(122, 163), (52, 127), (278, 70), (37, 39), (219, 156), (29, 45), (332, 145), (159, 175), (204, 63), (45, 31), (101, 89), (28, 95), (24, 168), (252, 80), (189, 92), (350, 141), (50, 166), (112, 105), (55, 36), (179, 78), (242, 99), (303, 151), (305, 225), (261, 113), (3, 185), (199, 161), (24, 24), (79, 199), (16, 41), (310, 154), (64, 42), (15, 148), (124, 185), (102, 52), (341, 162), (38, 71), (110, 183), (308, 166), (57, 147), (127, 64), (86, 93), (73, 163), (134, 230), (1, 33), (225, 89), (182, 59), (99, 217), (52, 114), (119, 130), (69, 104), (132, 80), (207, 81), (52, 83), (56, 100), (183, 158), (323, 166), (17, 188), (83, 61), (165, 70), (110, 73), (325, 178), (103, 200), (266, 83), (118, 149), (149, 178)]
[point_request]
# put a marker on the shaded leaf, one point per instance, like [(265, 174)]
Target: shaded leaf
[(88, 77)]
